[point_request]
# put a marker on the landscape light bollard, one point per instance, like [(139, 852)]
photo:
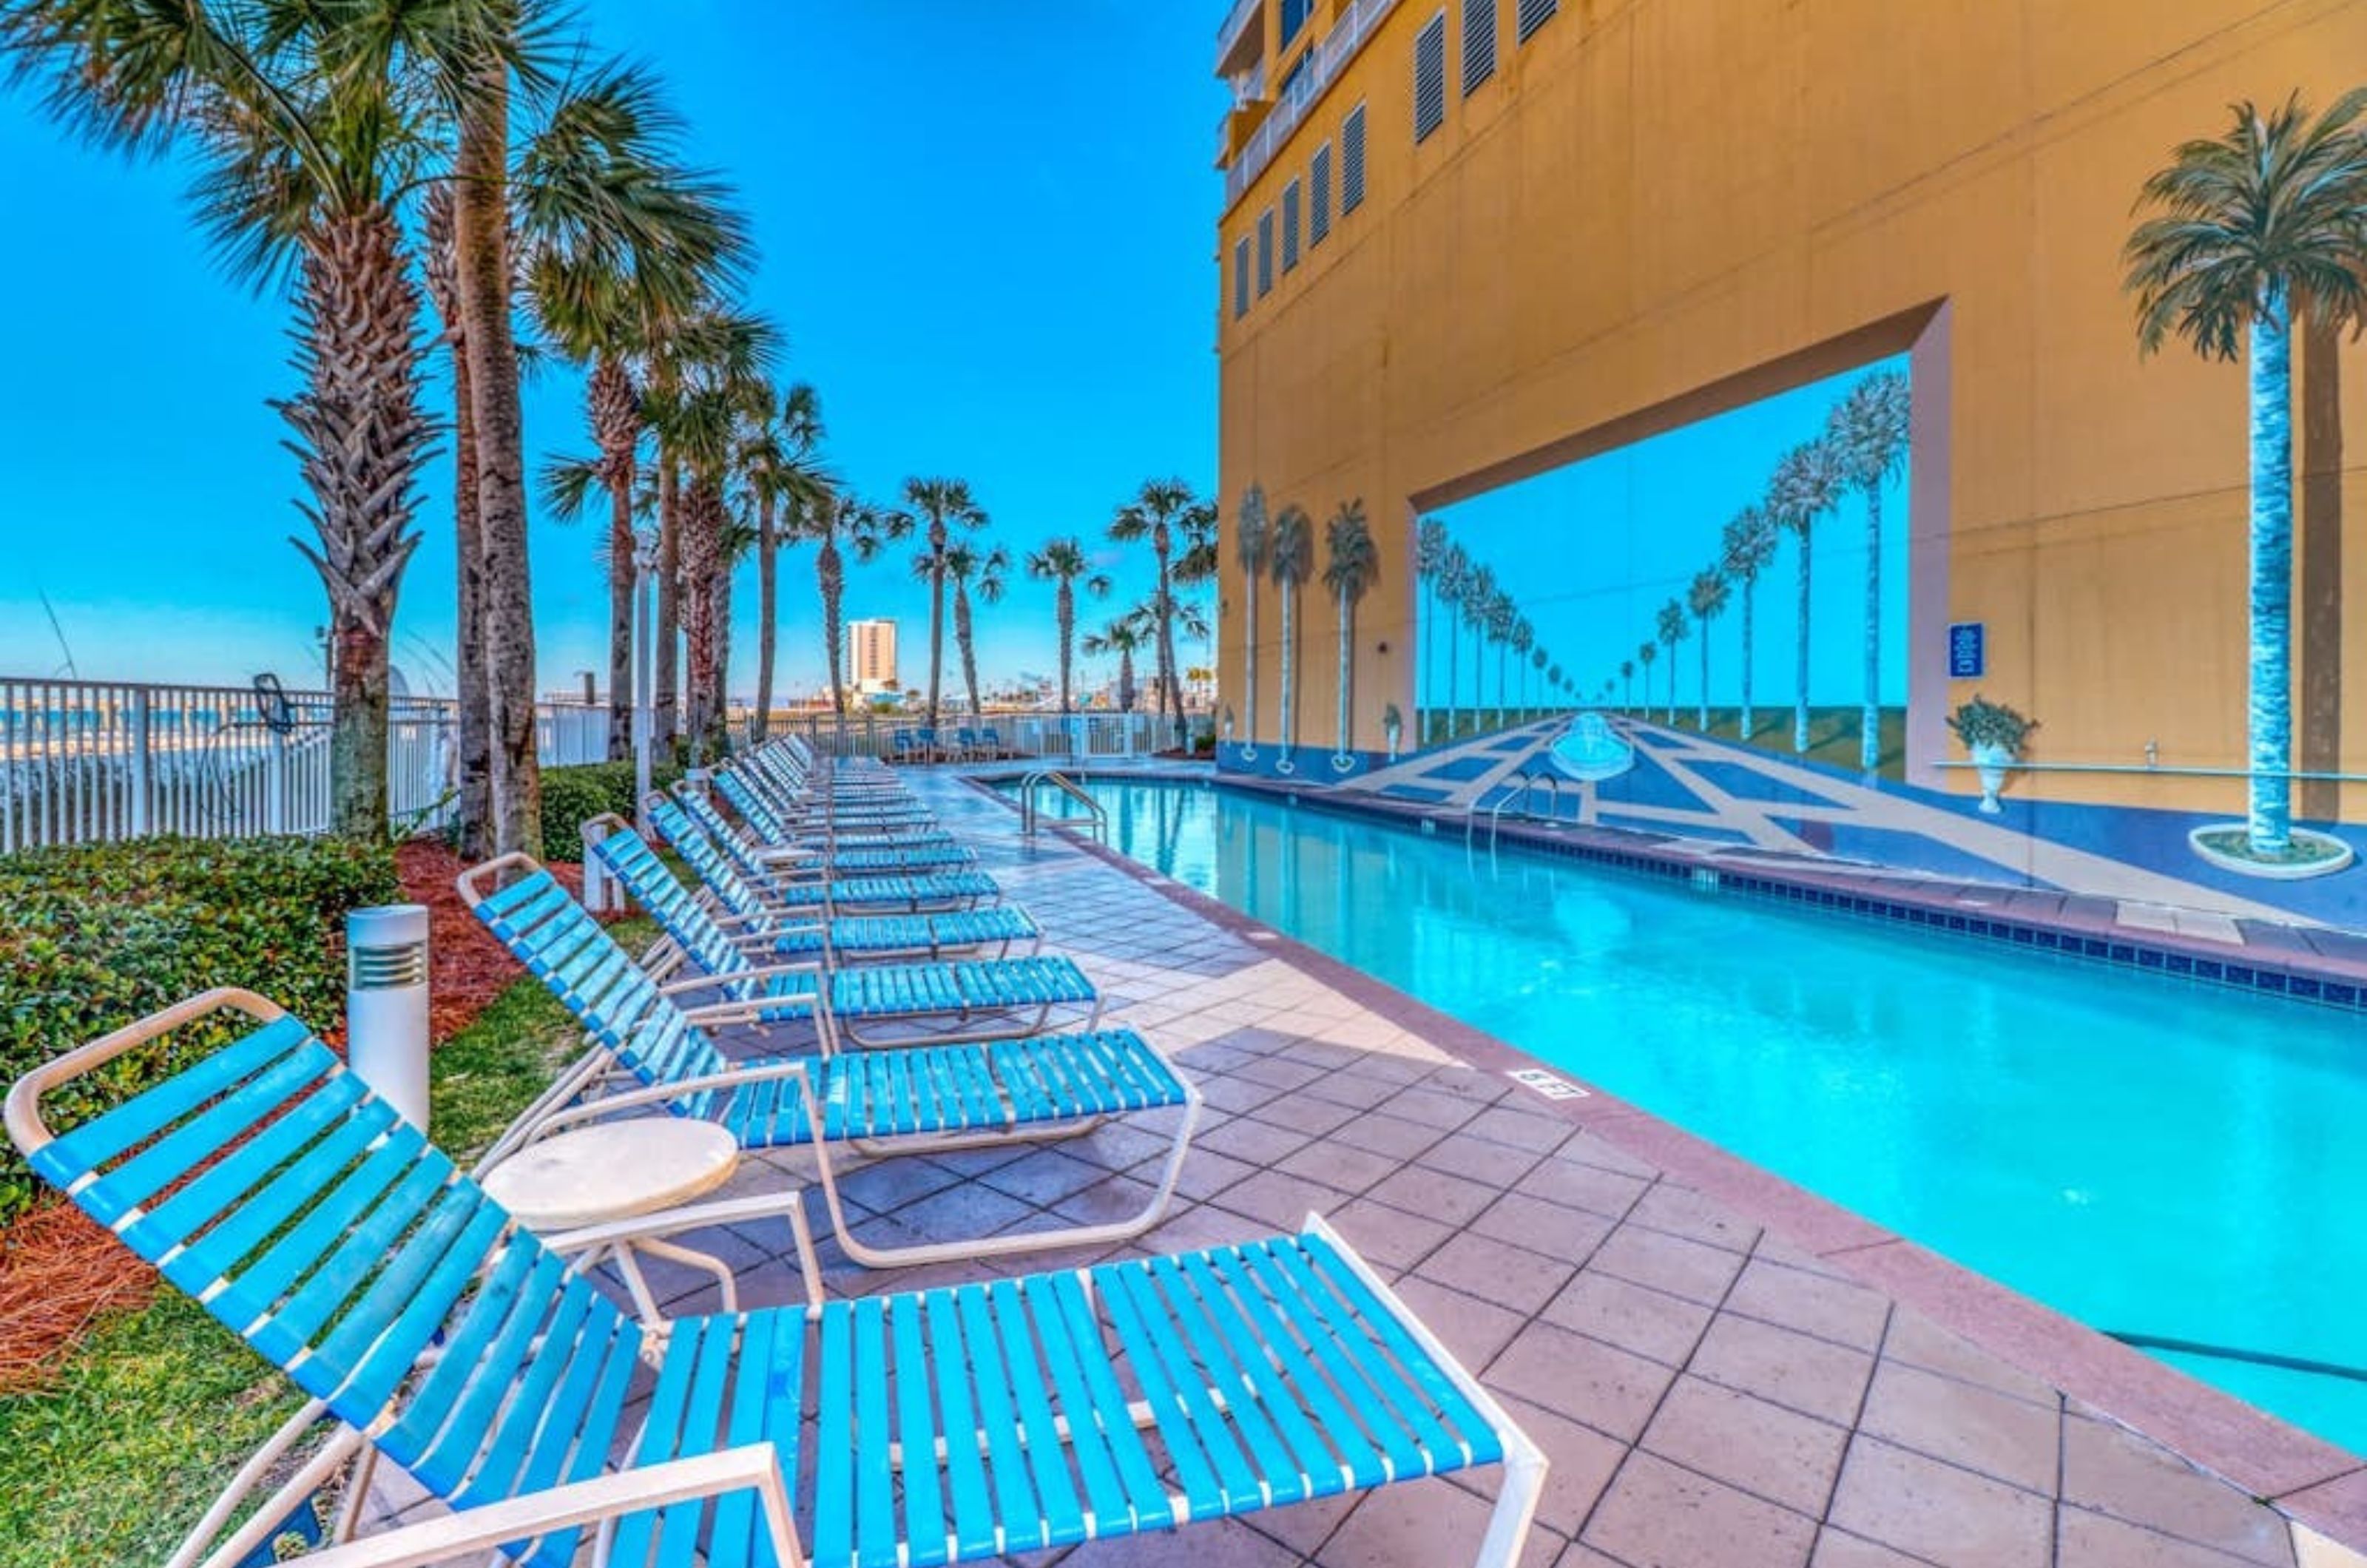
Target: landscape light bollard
[(386, 1005), (601, 895)]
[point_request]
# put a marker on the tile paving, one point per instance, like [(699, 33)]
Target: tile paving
[(1710, 1391)]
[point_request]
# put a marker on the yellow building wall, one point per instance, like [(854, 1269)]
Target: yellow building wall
[(1662, 208)]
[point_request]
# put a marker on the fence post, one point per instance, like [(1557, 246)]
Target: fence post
[(275, 785), (144, 764)]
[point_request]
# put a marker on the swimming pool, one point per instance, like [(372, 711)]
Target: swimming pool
[(2150, 1157)]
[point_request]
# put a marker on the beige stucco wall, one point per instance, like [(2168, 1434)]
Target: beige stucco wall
[(1659, 208)]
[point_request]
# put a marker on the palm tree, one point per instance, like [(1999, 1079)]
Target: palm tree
[(991, 568), (472, 726), (1293, 560), (1521, 640), (1063, 562), (1705, 598), (1252, 549), (1554, 682), (1454, 587), (1429, 542), (1153, 514), (1671, 631), (1196, 558), (1352, 569), (2269, 217), (1867, 431), (1644, 654), (305, 131), (1538, 662), (1807, 483), (1628, 674), (1479, 610), (1125, 636), (943, 505), (1746, 550), (867, 530), (777, 467), (1503, 619)]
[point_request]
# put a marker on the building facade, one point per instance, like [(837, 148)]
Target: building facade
[(871, 656), (1471, 245)]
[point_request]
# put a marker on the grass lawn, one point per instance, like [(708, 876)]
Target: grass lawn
[(150, 1414)]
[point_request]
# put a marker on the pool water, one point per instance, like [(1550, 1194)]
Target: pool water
[(2150, 1157)]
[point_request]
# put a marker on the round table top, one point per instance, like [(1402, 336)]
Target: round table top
[(613, 1171)]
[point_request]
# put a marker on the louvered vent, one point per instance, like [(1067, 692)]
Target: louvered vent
[(1290, 226), (1352, 161), (1318, 195), (1241, 278), (1533, 14), (1479, 43), (1265, 252), (1430, 77)]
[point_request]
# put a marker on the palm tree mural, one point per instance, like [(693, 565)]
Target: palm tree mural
[(1806, 484), (941, 505), (1745, 550), (1539, 660), (1644, 654), (1293, 562), (1867, 433), (1522, 638), (1063, 562), (1627, 676), (1705, 598), (1670, 630), (1429, 543), (1253, 549), (2268, 218), (1478, 612), (1351, 568), (990, 569), (1453, 588)]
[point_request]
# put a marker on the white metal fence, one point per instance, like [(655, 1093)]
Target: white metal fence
[(1080, 737), (87, 759)]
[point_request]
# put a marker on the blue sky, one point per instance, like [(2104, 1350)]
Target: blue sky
[(986, 229), (1652, 515)]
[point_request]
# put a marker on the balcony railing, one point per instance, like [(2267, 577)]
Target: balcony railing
[(1332, 55)]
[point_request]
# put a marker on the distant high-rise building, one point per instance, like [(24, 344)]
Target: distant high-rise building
[(871, 656)]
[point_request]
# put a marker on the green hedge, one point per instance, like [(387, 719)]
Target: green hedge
[(572, 797), (94, 936)]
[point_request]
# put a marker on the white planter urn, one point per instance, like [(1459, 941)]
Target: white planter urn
[(1393, 732), (1990, 762)]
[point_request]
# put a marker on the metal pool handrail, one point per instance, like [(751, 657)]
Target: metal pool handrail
[(1094, 810), (1526, 783)]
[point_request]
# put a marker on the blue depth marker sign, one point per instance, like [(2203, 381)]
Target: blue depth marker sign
[(1967, 650)]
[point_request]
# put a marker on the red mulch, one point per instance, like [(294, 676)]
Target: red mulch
[(58, 1270)]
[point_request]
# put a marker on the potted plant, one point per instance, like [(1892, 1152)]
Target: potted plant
[(1993, 734), (1392, 727)]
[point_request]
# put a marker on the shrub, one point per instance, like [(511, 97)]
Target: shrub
[(572, 797), (1984, 723), (94, 936)]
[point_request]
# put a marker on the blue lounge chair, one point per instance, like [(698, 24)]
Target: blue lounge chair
[(820, 858), (940, 1425), (704, 934), (876, 1004), (777, 831), (726, 863)]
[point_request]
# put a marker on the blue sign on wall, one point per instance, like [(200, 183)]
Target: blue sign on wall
[(1967, 650)]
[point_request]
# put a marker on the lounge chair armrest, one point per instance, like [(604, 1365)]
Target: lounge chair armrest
[(660, 1094), (754, 1467), (760, 971), (660, 1223)]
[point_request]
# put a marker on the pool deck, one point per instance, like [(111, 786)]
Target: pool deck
[(1723, 1368)]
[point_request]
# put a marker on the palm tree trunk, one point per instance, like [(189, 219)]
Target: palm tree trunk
[(1289, 724), (1454, 641), (963, 645), (1171, 700), (1747, 726), (1869, 724), (766, 543), (1800, 685), (362, 438), (718, 695), (1426, 635), (1126, 680), (1249, 661), (830, 571), (473, 701), (616, 424), (481, 238), (2268, 705), (936, 617), (1347, 640), (701, 544), (666, 706), (1065, 612), (1704, 715)]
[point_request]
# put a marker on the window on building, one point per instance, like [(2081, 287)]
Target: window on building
[(1241, 278), (1293, 16), (1294, 79), (1265, 252), (1430, 77), (1479, 43), (1352, 161), (1290, 226), (1533, 14), (1318, 195)]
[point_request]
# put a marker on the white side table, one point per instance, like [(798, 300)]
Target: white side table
[(620, 1170)]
